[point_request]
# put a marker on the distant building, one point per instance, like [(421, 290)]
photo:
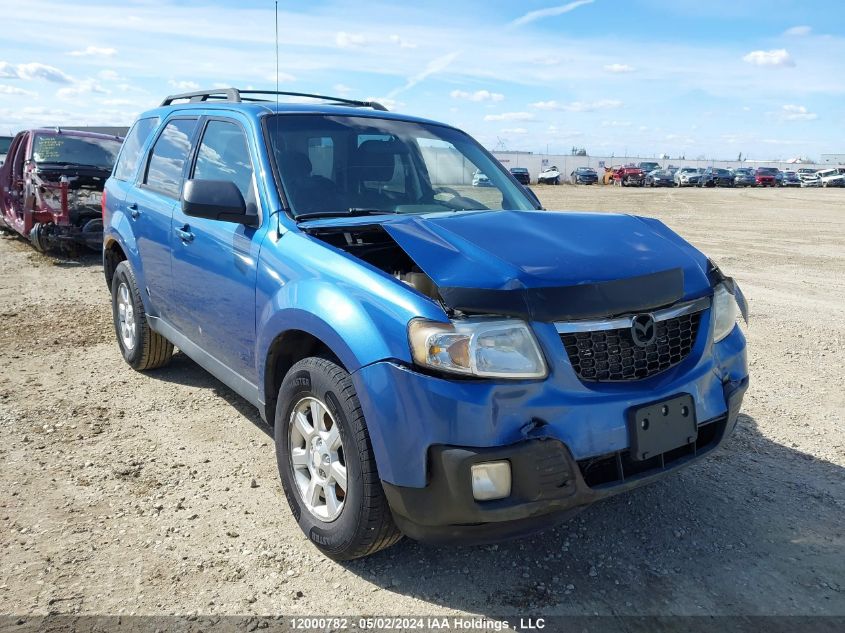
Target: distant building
[(832, 159)]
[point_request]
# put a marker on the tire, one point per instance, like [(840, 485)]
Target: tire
[(363, 524), (149, 349)]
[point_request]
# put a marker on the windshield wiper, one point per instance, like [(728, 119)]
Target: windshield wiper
[(351, 213)]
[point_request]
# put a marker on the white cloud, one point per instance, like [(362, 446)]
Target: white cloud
[(15, 91), (510, 116), (798, 31), (36, 70), (86, 86), (184, 85), (514, 130), (283, 77), (434, 67), (776, 58), (797, 113), (118, 102), (342, 89), (478, 95), (402, 43), (350, 40), (533, 16), (94, 51), (8, 71), (109, 75), (616, 124), (578, 106), (619, 68)]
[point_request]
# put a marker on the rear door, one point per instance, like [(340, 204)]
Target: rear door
[(215, 262), (150, 206)]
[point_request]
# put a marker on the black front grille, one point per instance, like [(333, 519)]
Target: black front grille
[(612, 355)]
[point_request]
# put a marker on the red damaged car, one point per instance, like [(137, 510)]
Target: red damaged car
[(51, 187), (628, 176), (765, 177)]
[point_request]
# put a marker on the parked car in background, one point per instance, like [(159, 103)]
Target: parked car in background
[(629, 176), (778, 176), (607, 176), (716, 177), (5, 142), (765, 177), (584, 176), (659, 178), (790, 179), (362, 314), (831, 177), (549, 176), (687, 176), (480, 179), (744, 177), (647, 166), (51, 186), (521, 174), (809, 178)]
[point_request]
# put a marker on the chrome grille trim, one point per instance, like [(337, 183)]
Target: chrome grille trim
[(593, 325)]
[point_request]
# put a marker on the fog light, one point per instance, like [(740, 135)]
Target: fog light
[(491, 480)]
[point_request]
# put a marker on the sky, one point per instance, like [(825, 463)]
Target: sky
[(698, 78)]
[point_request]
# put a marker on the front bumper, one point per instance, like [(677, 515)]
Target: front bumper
[(549, 485)]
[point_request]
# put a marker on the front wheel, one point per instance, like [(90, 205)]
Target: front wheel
[(141, 347), (326, 462)]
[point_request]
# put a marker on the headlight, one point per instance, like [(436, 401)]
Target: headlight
[(477, 347), (725, 313)]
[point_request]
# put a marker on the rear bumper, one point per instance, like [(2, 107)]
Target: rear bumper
[(549, 485)]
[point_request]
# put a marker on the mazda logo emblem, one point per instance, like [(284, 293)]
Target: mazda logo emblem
[(643, 330)]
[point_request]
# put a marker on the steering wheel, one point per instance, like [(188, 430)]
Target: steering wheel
[(458, 201)]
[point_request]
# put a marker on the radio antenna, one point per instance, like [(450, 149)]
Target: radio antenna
[(277, 57)]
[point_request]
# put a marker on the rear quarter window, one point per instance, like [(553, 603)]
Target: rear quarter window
[(130, 154)]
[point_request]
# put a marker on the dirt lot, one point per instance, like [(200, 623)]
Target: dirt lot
[(158, 493)]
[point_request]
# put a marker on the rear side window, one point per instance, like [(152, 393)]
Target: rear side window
[(167, 160), (130, 155)]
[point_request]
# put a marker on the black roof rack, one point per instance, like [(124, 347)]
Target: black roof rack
[(235, 95)]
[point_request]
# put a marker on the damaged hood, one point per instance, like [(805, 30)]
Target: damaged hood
[(546, 265)]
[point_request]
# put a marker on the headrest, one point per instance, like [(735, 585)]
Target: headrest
[(376, 160), (294, 164)]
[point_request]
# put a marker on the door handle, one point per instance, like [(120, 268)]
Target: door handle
[(133, 211), (185, 234)]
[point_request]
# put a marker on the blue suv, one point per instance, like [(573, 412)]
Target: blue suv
[(439, 360)]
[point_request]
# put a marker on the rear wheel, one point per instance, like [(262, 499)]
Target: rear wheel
[(326, 462), (141, 347)]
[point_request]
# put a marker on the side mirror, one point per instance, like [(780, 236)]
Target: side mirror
[(215, 200), (533, 197)]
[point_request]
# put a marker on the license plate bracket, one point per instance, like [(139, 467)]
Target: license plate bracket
[(662, 426)]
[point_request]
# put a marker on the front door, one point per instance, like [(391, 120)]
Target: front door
[(215, 262)]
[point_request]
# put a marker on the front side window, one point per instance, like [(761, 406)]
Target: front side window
[(76, 151), (344, 164), (167, 160), (224, 155), (130, 155)]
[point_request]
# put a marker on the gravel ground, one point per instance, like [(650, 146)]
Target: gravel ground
[(127, 493)]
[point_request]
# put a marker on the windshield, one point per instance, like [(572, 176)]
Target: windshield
[(75, 150), (519, 170), (343, 164), (5, 142)]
